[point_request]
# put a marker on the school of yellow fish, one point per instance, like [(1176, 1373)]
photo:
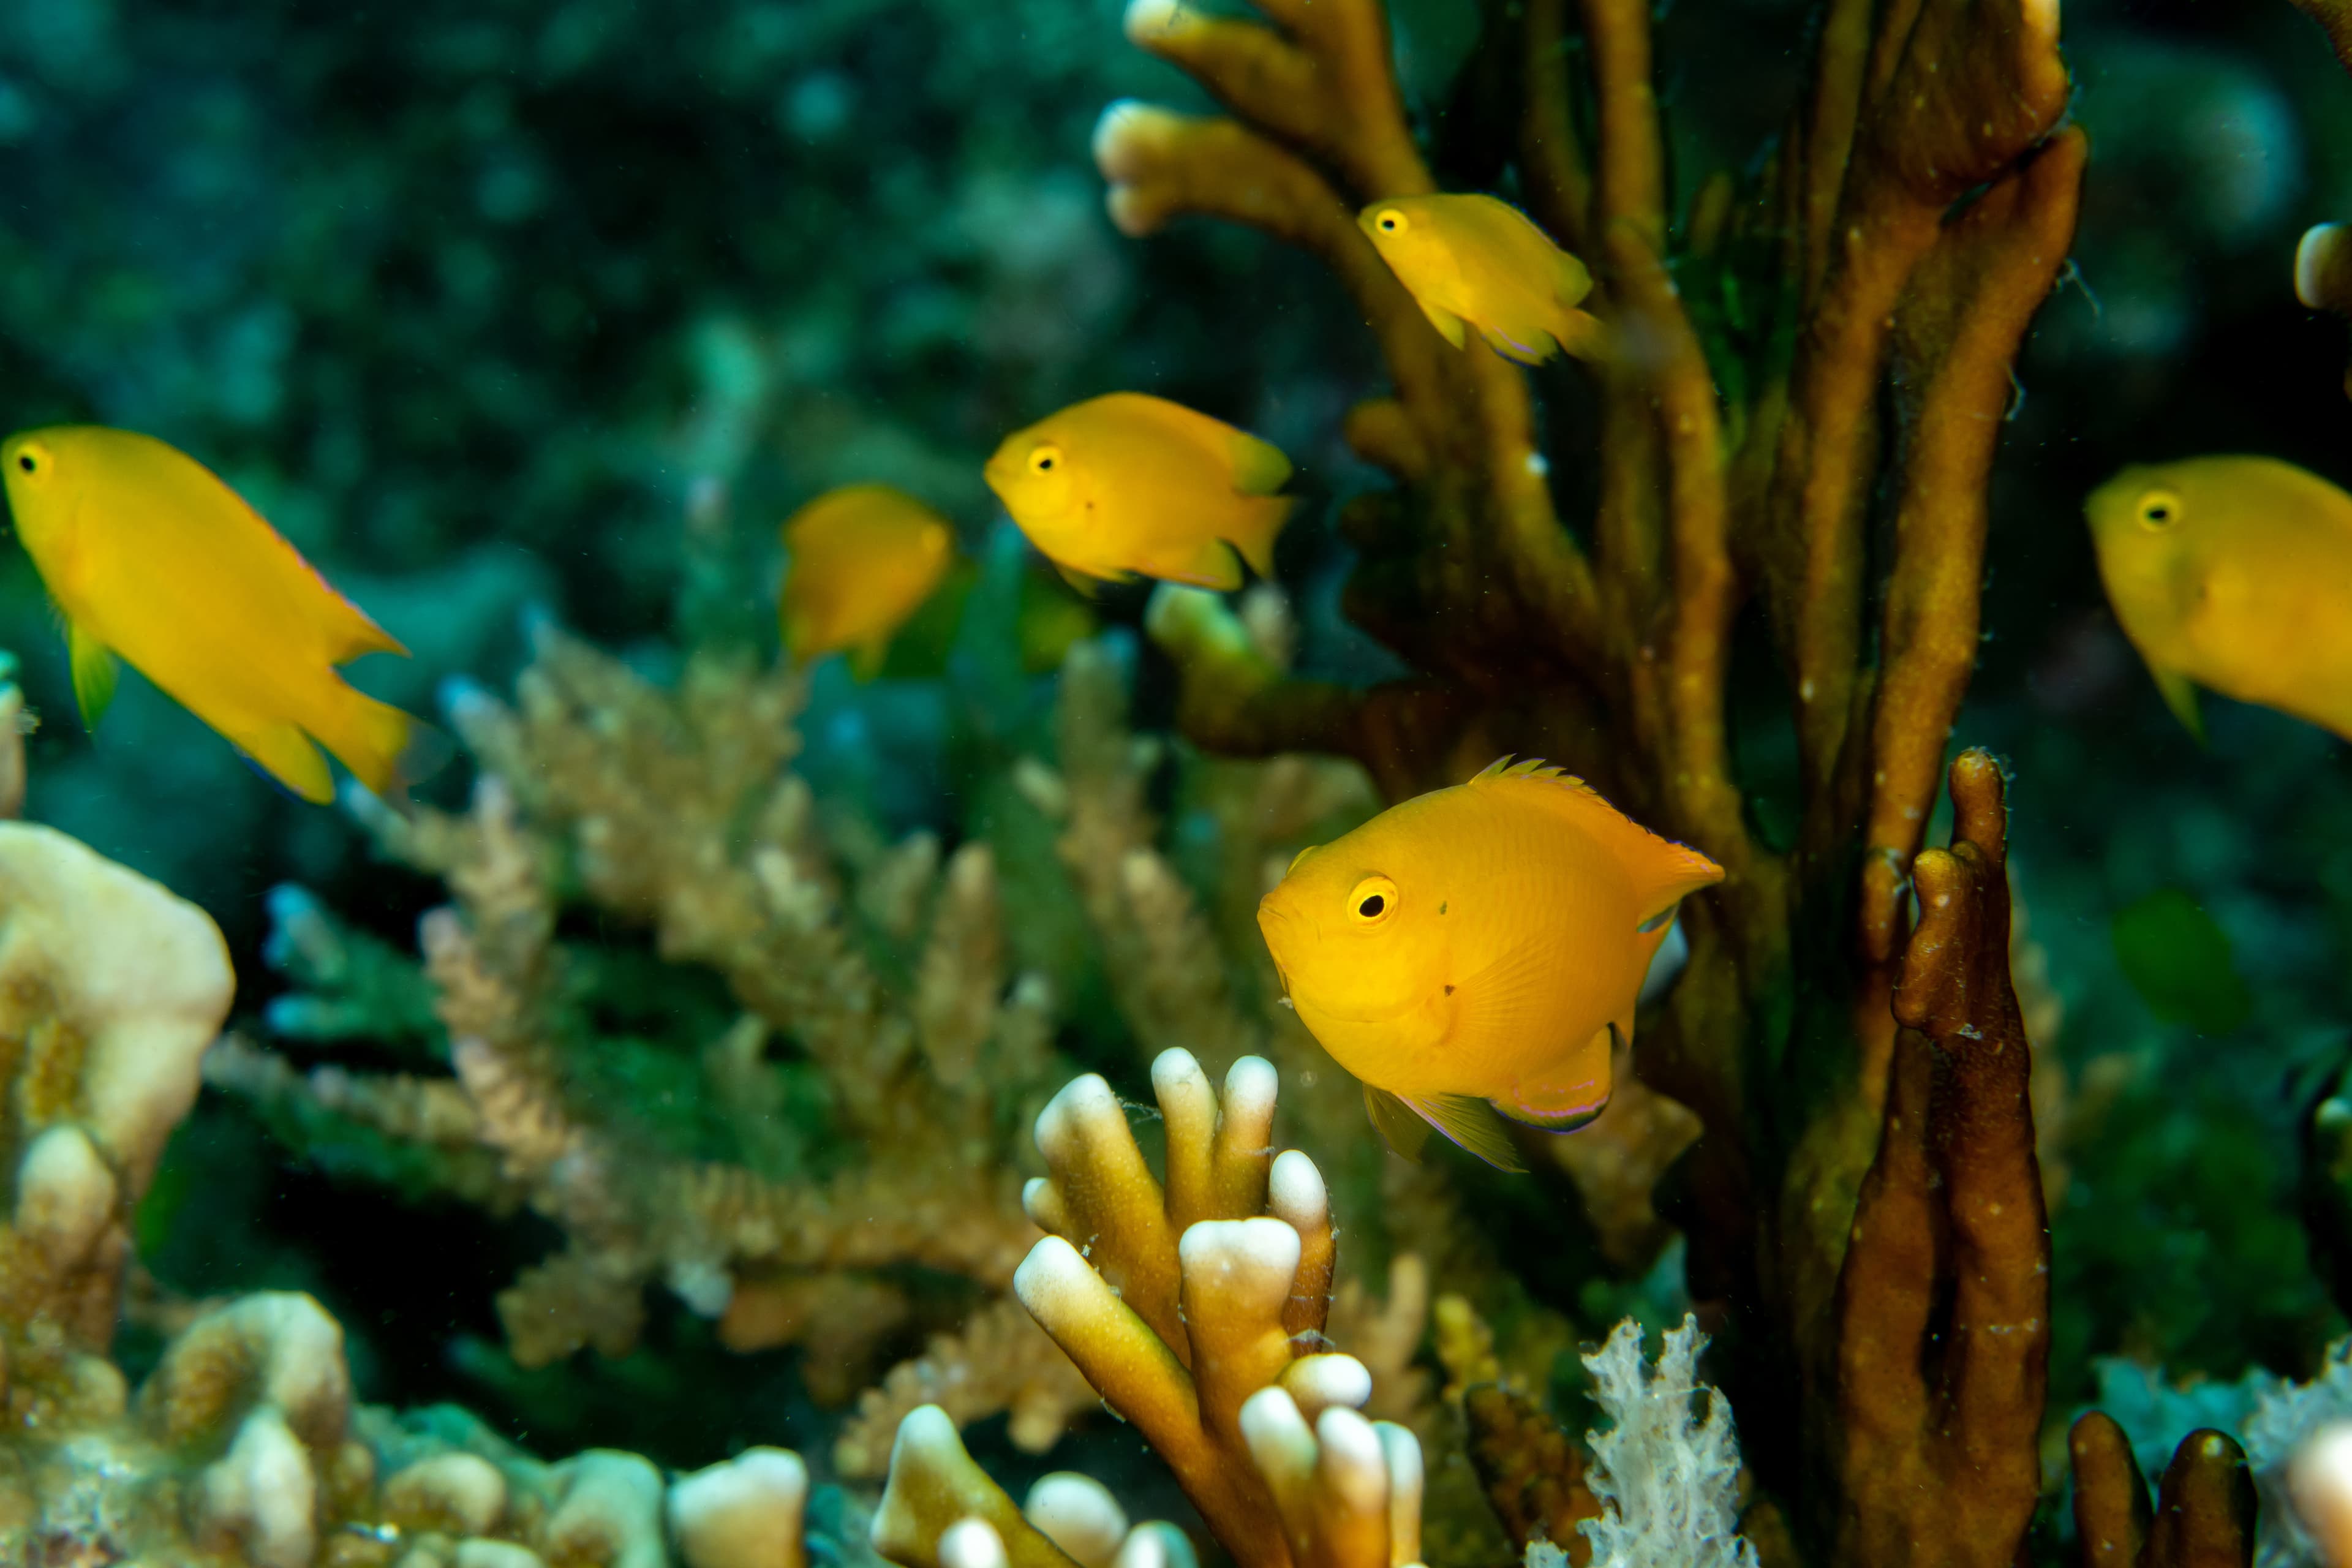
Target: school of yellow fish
[(1473, 955)]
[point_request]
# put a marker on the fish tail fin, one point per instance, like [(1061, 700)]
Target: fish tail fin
[(1582, 335), (1262, 524), (386, 748)]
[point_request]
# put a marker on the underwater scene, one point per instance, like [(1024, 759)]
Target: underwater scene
[(1063, 783)]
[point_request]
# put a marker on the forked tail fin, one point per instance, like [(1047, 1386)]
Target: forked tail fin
[(386, 748)]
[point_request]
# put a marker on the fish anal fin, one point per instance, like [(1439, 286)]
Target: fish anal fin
[(1263, 524), (1213, 565), (1577, 1092), (1471, 1124), (1523, 346), (94, 673), (1450, 327), (1399, 1129), (2181, 696), (284, 752)]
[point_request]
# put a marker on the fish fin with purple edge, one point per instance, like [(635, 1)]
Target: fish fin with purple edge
[(1471, 1124), (1577, 1093), (1404, 1133), (94, 673)]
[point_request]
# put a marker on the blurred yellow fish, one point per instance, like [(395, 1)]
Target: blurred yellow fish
[(1127, 484), (1470, 259), (1473, 954), (2236, 573), (864, 559), (150, 556)]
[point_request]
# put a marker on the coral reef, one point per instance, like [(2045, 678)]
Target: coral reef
[(243, 1446), (1739, 450), (1666, 1477)]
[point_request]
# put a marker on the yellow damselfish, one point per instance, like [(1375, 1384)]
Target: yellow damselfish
[(1127, 484), (1470, 259), (1474, 952), (864, 559), (2233, 573), (147, 555)]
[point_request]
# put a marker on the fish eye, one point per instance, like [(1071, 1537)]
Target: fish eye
[(1390, 222), (1045, 459), (2159, 508), (33, 462), (1371, 901)]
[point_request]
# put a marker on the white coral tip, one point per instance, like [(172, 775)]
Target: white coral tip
[(1078, 1514), (1085, 1106), (1148, 20), (1278, 1437), (1353, 1464), (1248, 1264), (1296, 1193), (1320, 1382), (970, 1544), (2323, 249)]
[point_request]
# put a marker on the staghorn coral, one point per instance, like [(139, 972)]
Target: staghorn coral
[(1742, 458), (1197, 1306)]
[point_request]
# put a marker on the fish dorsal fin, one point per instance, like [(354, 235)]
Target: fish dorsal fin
[(1575, 1092), (93, 673), (1471, 1124), (1663, 872), (1399, 1128), (351, 631)]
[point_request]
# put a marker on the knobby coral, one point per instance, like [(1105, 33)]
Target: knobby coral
[(1918, 209), (1196, 1304)]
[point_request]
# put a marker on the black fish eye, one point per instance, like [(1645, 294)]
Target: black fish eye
[(27, 461), (1370, 907)]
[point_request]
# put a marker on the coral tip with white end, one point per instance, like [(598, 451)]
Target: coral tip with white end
[(1320, 1382), (1352, 1466), (743, 1513), (2322, 267), (1251, 1085), (1155, 1544), (2319, 1483), (1242, 1266), (1296, 1193), (970, 1544), (1147, 22), (1078, 1514), (1406, 1473)]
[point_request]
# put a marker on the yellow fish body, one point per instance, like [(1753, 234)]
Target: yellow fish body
[(147, 555), (864, 559), (1473, 953), (1470, 259), (2233, 573), (1128, 484)]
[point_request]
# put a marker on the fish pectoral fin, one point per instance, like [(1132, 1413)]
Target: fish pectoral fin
[(1498, 1010), (2181, 696), (1450, 327), (1574, 1096), (1399, 1129), (94, 673), (1471, 1124), (867, 659)]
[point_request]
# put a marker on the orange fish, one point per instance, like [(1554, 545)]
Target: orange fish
[(150, 556), (1473, 953), (864, 560)]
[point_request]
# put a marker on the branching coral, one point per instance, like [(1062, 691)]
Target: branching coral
[(1917, 212), (2204, 1511), (1197, 1306)]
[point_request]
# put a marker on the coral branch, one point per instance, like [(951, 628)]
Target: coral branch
[(1963, 316), (1950, 1213), (2335, 17)]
